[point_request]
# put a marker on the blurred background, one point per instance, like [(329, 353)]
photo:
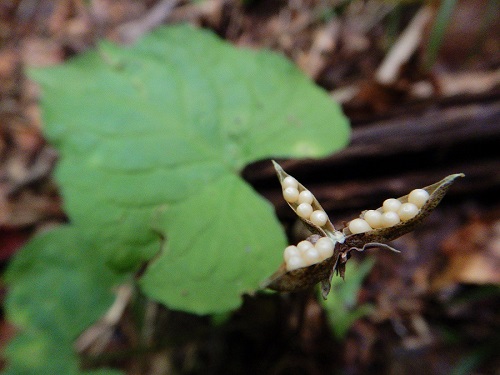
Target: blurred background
[(420, 83)]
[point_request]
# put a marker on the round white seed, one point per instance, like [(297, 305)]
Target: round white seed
[(407, 211), (306, 196), (391, 205), (289, 181), (373, 218), (359, 226), (319, 218), (303, 246), (294, 263), (291, 194), (311, 256), (418, 197), (290, 251), (389, 219), (304, 210), (325, 247)]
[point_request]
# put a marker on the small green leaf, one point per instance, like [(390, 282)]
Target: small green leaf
[(35, 352), (341, 307), (152, 139), (56, 291), (441, 23)]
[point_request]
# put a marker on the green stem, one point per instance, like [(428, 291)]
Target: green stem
[(437, 34)]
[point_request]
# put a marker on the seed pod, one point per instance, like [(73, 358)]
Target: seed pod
[(307, 202), (344, 241), (383, 235), (283, 280), (302, 278)]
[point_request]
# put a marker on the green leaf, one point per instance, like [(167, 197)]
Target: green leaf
[(34, 352), (347, 290), (226, 251), (443, 18), (152, 139), (340, 307), (56, 291)]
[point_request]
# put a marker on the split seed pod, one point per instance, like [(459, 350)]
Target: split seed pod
[(286, 181), (288, 280)]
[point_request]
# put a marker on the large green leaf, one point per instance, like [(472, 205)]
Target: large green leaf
[(56, 291), (217, 252), (152, 139)]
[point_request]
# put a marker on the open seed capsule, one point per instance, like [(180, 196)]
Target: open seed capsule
[(375, 228), (305, 204), (393, 212), (306, 254), (333, 246)]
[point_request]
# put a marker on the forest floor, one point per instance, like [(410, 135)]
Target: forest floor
[(420, 110)]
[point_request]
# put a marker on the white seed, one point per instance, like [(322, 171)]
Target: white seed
[(306, 196), (303, 246), (294, 263), (290, 251), (407, 211), (391, 205), (373, 218), (304, 210), (359, 226), (291, 194), (389, 219), (311, 256), (418, 197), (319, 218), (325, 247), (289, 181)]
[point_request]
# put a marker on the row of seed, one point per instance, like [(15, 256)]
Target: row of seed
[(393, 212), (306, 254), (303, 199)]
